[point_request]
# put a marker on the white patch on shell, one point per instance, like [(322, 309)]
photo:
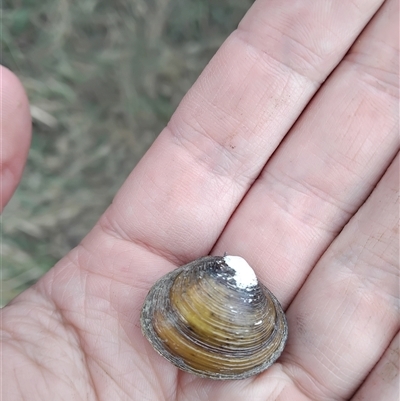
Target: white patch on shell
[(244, 274)]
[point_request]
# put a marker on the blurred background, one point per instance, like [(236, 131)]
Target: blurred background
[(103, 78)]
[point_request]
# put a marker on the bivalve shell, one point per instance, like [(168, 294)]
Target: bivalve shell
[(212, 317)]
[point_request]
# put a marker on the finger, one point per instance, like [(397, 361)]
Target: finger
[(326, 167), (383, 382), (15, 133), (180, 196), (346, 314)]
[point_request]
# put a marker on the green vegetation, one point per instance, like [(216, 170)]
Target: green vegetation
[(103, 78)]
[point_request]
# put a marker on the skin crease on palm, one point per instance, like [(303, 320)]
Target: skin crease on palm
[(285, 152)]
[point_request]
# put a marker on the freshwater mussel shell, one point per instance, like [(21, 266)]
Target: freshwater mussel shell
[(198, 319)]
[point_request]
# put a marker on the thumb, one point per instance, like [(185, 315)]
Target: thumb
[(15, 133)]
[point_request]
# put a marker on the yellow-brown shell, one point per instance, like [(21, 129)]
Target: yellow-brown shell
[(199, 319)]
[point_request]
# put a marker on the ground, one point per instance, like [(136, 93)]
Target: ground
[(103, 78)]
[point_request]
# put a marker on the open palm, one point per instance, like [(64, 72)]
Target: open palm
[(252, 163)]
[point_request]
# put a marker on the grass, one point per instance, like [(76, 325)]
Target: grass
[(103, 78)]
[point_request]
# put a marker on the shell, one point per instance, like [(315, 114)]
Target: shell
[(205, 321)]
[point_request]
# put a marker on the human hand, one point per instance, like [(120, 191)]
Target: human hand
[(316, 215)]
